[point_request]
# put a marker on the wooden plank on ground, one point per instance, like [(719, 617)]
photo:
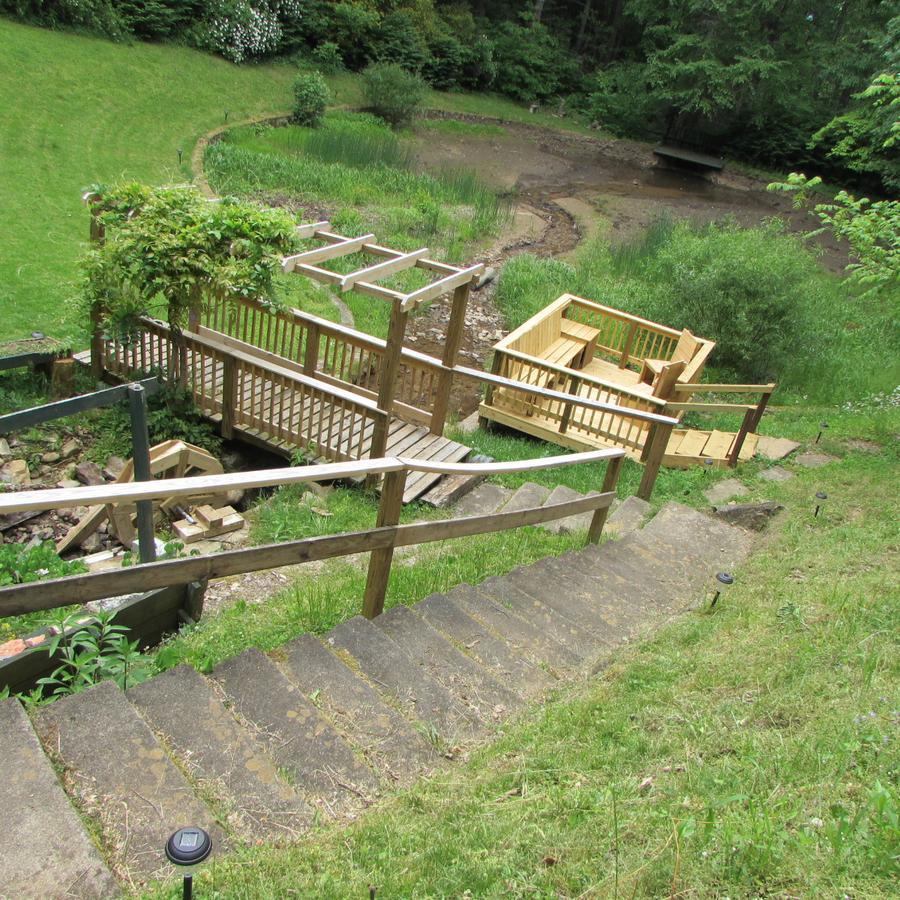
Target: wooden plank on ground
[(718, 445), (693, 444)]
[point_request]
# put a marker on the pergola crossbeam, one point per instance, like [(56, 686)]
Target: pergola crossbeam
[(441, 286), (329, 251), (311, 230), (383, 269)]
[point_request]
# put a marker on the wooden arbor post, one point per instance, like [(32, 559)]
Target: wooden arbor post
[(455, 330), (380, 560), (98, 235), (387, 383)]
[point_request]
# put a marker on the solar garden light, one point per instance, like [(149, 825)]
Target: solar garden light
[(226, 115), (723, 582), (707, 466), (821, 500), (822, 428), (37, 335), (188, 848), (179, 151)]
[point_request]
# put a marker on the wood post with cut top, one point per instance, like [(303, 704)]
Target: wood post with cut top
[(311, 351), (610, 480), (380, 560), (229, 397), (654, 450), (451, 347), (387, 384), (574, 387)]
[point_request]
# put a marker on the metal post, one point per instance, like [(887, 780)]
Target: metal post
[(140, 454)]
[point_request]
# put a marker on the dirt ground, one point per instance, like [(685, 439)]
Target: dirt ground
[(571, 187)]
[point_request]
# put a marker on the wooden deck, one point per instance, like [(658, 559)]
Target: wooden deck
[(282, 410), (689, 447)]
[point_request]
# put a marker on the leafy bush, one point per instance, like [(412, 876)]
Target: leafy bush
[(310, 98), (399, 42), (20, 564), (393, 93), (98, 16), (327, 57)]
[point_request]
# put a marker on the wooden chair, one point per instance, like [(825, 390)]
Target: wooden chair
[(664, 383)]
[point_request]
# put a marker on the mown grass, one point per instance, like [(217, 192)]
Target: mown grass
[(747, 752)]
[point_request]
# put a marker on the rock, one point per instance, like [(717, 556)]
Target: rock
[(775, 448), (754, 516), (50, 458), (469, 424), (92, 543), (813, 460), (68, 483), (89, 473), (70, 448), (725, 490), (15, 472), (486, 277), (115, 465), (776, 473), (4, 449)]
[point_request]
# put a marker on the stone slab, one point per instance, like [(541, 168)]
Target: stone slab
[(562, 494), (627, 516), (466, 679), (527, 496), (51, 855), (776, 473), (299, 739), (395, 673), (775, 448), (526, 637), (123, 778), (724, 490), (381, 733), (583, 644), (755, 516), (514, 670), (218, 753), (813, 460), (482, 501)]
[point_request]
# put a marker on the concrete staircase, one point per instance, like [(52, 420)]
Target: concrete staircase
[(268, 744)]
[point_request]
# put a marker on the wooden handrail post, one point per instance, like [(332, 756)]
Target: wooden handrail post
[(387, 383), (380, 560), (574, 387), (451, 348), (654, 450), (229, 397), (610, 480), (629, 343), (746, 428), (98, 236), (140, 454), (760, 409), (311, 352)]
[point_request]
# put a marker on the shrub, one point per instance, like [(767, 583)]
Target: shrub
[(393, 93), (327, 56), (310, 98), (399, 42)]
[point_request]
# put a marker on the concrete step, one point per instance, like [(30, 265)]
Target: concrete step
[(224, 759), (627, 516), (387, 666), (299, 739), (526, 497), (482, 500), (581, 522), (531, 640), (514, 669), (545, 581), (466, 679), (382, 734), (583, 644), (47, 852), (123, 778)]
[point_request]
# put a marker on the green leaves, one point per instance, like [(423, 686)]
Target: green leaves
[(171, 244)]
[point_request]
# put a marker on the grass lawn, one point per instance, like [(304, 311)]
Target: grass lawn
[(748, 752)]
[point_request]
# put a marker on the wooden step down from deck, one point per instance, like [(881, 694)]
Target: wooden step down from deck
[(253, 749)]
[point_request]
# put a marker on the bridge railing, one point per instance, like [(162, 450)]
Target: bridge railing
[(380, 540)]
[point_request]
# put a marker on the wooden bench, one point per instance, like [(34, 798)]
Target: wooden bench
[(573, 349)]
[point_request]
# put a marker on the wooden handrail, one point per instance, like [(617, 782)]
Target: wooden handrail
[(130, 492), (380, 541), (575, 300)]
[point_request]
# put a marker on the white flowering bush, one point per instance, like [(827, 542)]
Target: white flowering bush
[(240, 30)]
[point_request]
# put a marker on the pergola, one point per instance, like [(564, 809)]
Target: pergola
[(388, 262)]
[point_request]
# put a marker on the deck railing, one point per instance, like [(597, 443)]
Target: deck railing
[(380, 541), (327, 351), (628, 339), (250, 392)]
